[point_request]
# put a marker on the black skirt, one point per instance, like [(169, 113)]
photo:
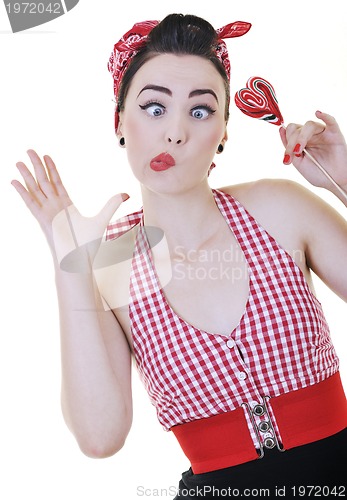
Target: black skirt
[(317, 469)]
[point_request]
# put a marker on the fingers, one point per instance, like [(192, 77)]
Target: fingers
[(33, 189), (45, 184), (54, 177), (283, 136), (327, 119), (39, 187), (41, 173), (27, 197), (105, 215), (298, 136)]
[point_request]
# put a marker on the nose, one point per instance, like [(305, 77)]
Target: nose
[(176, 132), (177, 141)]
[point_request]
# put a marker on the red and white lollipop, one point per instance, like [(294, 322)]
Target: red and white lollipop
[(258, 100)]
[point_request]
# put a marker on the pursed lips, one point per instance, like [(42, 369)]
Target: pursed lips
[(164, 161)]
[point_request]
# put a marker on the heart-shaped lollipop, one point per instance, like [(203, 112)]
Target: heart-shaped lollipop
[(258, 100)]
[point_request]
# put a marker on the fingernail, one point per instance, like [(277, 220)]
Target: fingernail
[(125, 196), (286, 159), (297, 148)]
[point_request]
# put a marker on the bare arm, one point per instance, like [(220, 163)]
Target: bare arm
[(96, 368), (96, 360), (324, 230), (325, 234)]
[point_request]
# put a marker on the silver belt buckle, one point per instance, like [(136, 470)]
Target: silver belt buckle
[(260, 410)]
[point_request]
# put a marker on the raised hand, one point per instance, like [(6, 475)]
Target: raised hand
[(326, 144), (47, 199)]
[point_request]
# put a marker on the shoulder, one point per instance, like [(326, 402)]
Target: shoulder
[(278, 199), (287, 209), (267, 192), (299, 219)]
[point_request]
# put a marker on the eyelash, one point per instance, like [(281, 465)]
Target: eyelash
[(206, 107), (151, 103)]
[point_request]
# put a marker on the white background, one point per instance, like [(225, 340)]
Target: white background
[(56, 97)]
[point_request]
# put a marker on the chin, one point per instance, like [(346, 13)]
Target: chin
[(173, 185)]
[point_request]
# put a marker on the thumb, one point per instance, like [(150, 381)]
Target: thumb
[(283, 136), (110, 208), (328, 120)]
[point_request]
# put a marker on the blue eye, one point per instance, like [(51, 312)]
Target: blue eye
[(202, 112), (153, 109)]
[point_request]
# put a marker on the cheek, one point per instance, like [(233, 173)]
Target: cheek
[(138, 135), (137, 140), (212, 138), (131, 130)]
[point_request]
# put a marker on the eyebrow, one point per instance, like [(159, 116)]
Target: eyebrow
[(158, 88), (202, 92), (167, 91)]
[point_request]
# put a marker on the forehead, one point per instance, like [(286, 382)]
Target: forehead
[(171, 69)]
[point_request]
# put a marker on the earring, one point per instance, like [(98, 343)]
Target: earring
[(220, 148), (122, 142)]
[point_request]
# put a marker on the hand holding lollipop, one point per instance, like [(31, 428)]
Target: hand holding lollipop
[(258, 100)]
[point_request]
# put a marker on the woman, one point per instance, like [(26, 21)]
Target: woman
[(207, 289)]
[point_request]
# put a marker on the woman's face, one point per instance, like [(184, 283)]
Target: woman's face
[(175, 106)]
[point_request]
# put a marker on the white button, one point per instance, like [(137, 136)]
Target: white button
[(242, 375), (231, 343)]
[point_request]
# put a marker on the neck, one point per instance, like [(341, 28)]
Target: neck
[(188, 219)]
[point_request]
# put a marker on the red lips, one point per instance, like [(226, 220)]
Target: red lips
[(164, 161)]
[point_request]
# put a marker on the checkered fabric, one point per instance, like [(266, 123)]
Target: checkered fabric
[(123, 225), (281, 344)]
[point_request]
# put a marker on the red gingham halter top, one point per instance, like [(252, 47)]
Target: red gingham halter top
[(281, 344)]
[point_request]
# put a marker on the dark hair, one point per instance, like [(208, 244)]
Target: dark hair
[(177, 34)]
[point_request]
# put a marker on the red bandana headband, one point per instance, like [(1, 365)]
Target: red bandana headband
[(136, 38)]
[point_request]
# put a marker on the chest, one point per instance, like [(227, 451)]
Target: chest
[(209, 288)]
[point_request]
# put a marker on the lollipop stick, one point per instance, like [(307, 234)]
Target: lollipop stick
[(328, 176)]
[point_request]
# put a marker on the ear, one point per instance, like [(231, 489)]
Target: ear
[(225, 137), (119, 132)]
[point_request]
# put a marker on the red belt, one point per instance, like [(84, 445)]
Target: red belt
[(302, 417)]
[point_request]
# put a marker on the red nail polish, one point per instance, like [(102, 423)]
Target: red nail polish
[(286, 159), (297, 148)]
